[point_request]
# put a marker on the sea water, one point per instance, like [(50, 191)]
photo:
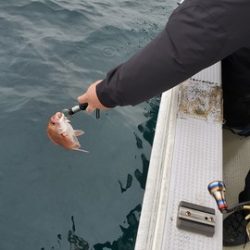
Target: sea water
[(50, 51)]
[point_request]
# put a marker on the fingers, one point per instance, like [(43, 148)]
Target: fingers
[(91, 98), (90, 109), (83, 98)]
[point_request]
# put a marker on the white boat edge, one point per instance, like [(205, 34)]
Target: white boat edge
[(186, 156)]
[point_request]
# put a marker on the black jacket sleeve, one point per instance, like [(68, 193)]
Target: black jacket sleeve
[(198, 34)]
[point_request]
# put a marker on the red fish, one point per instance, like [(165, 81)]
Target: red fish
[(62, 133)]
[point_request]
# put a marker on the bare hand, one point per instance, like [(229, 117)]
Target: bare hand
[(91, 98)]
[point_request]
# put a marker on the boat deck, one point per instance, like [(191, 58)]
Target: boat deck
[(186, 156)]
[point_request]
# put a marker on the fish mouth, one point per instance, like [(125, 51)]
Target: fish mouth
[(57, 117)]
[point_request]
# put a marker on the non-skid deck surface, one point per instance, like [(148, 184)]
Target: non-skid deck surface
[(186, 156)]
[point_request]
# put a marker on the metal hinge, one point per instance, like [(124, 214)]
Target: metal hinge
[(196, 218)]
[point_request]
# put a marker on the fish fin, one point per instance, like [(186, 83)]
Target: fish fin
[(78, 132), (80, 149)]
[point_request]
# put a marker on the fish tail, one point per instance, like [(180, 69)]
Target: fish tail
[(81, 150)]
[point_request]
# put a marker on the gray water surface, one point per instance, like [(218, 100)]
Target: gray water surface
[(50, 51)]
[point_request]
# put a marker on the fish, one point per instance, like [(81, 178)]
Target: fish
[(61, 132)]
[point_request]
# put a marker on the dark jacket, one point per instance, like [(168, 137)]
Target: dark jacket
[(236, 90), (198, 34)]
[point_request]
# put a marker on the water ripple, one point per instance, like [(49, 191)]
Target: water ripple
[(50, 50)]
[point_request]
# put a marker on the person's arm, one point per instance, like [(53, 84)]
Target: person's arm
[(193, 39)]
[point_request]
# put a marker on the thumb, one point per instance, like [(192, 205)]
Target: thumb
[(82, 98)]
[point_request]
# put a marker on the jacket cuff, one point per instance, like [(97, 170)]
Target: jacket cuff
[(104, 95)]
